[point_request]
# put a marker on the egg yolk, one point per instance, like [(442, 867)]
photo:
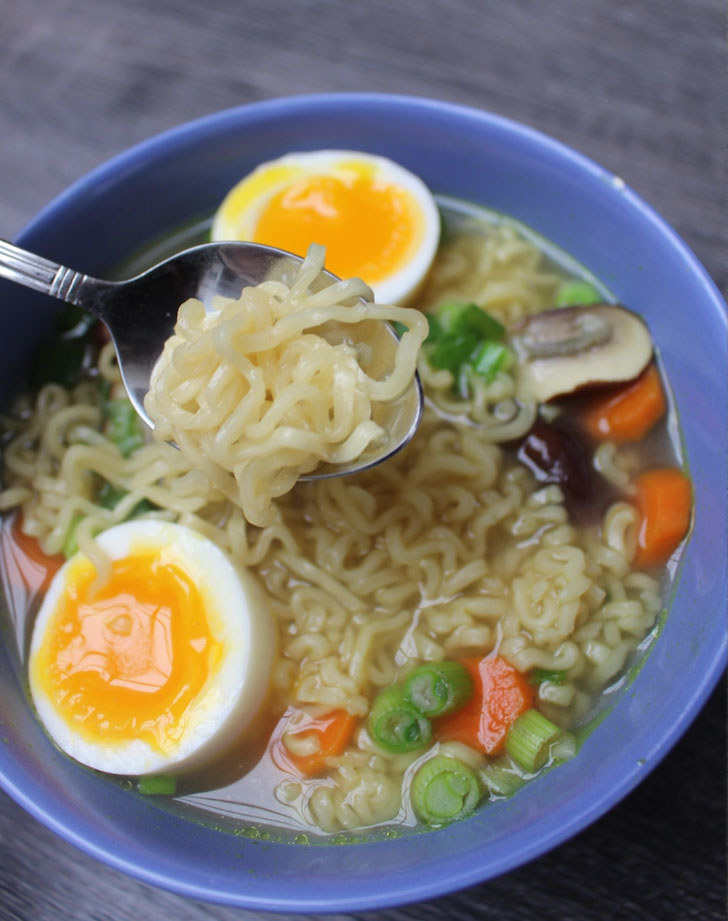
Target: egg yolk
[(370, 227), (124, 661)]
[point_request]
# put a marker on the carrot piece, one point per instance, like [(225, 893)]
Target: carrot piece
[(501, 695), (36, 567), (628, 411), (664, 502), (332, 732)]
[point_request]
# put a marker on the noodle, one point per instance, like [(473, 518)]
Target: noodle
[(449, 548), (255, 396)]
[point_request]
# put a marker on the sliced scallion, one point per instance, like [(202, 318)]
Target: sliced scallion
[(70, 541), (109, 496), (460, 317), (104, 388), (435, 330), (542, 675), (396, 725), (438, 687), (489, 358), (157, 784), (465, 340), (529, 738), (74, 322), (451, 351), (501, 780), (575, 293), (124, 426), (447, 313), (444, 789)]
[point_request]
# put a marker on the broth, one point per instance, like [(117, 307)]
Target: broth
[(427, 553)]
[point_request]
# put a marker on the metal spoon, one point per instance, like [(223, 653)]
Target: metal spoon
[(140, 314)]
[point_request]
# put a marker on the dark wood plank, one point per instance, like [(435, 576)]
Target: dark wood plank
[(638, 86)]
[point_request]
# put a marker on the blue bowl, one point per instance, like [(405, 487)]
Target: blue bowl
[(171, 179)]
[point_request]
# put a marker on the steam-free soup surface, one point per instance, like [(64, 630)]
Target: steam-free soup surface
[(506, 538)]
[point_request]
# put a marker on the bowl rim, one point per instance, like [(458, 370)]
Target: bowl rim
[(659, 743)]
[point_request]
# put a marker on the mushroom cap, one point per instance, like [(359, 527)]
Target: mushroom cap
[(570, 348)]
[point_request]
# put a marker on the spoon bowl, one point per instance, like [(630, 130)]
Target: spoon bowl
[(140, 314)]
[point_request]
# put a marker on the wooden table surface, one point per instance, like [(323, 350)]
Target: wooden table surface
[(639, 85)]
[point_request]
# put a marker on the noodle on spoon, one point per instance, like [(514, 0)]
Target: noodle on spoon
[(259, 391)]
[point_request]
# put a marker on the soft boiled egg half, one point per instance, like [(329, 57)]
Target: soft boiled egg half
[(378, 221), (159, 667)]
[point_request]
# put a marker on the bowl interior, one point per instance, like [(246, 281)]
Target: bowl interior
[(182, 175)]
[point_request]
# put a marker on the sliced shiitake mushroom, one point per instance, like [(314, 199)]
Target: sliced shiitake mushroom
[(556, 452), (570, 348)]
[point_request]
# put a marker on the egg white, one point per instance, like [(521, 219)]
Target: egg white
[(231, 697), (238, 215)]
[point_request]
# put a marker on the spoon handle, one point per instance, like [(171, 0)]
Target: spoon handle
[(43, 275)]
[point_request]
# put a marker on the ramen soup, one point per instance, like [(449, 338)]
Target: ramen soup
[(394, 649)]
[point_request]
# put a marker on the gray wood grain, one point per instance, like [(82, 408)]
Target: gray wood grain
[(639, 85)]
